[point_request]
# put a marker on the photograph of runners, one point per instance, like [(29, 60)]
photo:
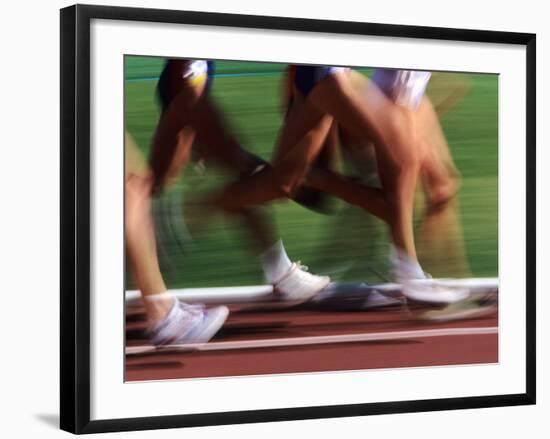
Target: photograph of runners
[(307, 218)]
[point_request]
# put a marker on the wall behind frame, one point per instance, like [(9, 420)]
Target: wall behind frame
[(29, 226)]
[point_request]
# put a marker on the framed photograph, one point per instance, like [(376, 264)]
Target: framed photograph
[(206, 158)]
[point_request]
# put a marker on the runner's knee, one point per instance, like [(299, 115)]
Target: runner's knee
[(404, 144), (288, 185)]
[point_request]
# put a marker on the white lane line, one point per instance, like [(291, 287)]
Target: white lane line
[(308, 341)]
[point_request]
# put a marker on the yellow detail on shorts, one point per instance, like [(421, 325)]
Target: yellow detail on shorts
[(197, 80)]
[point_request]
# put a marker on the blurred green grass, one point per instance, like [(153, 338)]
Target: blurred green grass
[(349, 245)]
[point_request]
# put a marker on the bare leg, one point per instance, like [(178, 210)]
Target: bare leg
[(393, 131), (140, 236), (169, 320), (173, 138), (439, 174), (446, 90), (191, 115), (301, 140), (369, 198), (328, 159), (303, 136), (217, 143), (440, 241)]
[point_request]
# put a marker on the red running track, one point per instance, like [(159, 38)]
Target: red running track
[(298, 323)]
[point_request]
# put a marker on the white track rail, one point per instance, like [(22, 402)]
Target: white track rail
[(263, 293)]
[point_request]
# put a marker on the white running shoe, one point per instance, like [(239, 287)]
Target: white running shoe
[(188, 324), (297, 285), (464, 310), (429, 291), (419, 287)]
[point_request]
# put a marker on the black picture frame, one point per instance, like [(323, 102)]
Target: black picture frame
[(75, 217)]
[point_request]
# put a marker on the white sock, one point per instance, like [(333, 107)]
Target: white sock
[(158, 306), (275, 262), (405, 267)]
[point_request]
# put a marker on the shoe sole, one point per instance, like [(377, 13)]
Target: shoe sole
[(466, 314), (435, 299), (290, 301), (214, 325), (222, 312)]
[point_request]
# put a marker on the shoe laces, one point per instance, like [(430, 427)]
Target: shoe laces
[(301, 266), (193, 309)]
